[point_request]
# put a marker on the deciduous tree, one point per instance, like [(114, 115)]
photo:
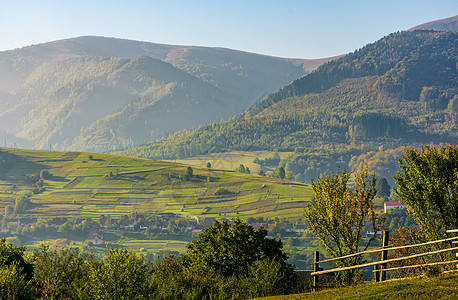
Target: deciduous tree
[(230, 249), (121, 275), (427, 185), (337, 214)]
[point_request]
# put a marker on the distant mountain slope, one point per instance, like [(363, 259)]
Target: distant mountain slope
[(217, 65), (405, 62), (102, 103), (74, 94), (443, 24), (400, 90)]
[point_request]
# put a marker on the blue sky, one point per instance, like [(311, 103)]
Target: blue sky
[(303, 29)]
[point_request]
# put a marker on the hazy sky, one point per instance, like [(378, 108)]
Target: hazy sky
[(304, 29)]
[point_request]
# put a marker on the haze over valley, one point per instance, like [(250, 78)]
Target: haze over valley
[(220, 149)]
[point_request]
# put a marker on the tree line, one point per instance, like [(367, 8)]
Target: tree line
[(230, 260), (427, 184)]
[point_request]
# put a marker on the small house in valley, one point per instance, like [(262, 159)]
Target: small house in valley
[(393, 205)]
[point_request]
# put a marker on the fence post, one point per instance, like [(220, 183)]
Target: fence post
[(377, 273), (316, 268), (386, 235)]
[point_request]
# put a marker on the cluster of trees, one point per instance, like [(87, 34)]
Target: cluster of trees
[(21, 205), (37, 181), (281, 174), (427, 184), (243, 169), (229, 261)]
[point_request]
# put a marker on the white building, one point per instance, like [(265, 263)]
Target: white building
[(393, 204)]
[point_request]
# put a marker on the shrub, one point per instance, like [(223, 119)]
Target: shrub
[(14, 285), (222, 191)]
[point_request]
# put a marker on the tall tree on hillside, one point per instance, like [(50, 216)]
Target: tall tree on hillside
[(427, 184), (337, 215), (189, 172), (383, 188)]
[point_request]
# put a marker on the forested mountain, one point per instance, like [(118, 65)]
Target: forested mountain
[(100, 94), (443, 24), (90, 90), (400, 90)]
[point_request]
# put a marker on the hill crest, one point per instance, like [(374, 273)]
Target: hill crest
[(442, 24), (221, 81)]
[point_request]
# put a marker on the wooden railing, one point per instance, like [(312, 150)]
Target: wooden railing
[(380, 267)]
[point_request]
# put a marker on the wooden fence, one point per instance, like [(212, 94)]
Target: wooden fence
[(380, 267)]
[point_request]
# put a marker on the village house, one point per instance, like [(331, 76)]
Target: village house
[(126, 223), (301, 228), (287, 227), (370, 230), (195, 232), (256, 226), (94, 236), (393, 205)]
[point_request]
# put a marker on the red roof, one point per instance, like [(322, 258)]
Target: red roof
[(394, 203)]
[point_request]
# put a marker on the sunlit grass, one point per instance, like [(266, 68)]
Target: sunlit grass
[(442, 287)]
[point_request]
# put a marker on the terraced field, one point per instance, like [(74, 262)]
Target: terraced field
[(89, 185)]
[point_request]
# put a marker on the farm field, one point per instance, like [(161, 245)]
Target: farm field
[(83, 185), (231, 160)]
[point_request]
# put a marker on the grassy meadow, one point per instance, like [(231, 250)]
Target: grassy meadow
[(441, 287), (88, 185), (231, 160)]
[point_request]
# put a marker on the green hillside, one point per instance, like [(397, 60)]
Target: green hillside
[(89, 185), (400, 90)]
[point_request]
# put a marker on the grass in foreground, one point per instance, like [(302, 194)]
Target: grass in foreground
[(444, 286)]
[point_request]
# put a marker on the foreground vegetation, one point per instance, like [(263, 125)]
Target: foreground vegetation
[(229, 261), (441, 287)]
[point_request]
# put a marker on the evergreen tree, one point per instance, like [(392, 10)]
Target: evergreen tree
[(383, 188)]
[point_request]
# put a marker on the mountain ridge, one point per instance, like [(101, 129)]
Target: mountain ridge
[(442, 24), (398, 90), (233, 79)]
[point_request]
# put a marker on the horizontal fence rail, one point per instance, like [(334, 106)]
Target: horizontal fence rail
[(422, 265), (379, 262), (380, 274), (387, 249)]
